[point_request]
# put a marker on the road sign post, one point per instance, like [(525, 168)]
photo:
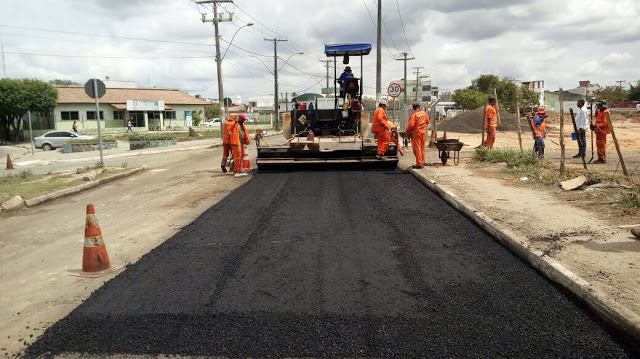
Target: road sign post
[(95, 88), (394, 90)]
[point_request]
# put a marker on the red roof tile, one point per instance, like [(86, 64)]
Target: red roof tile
[(120, 96)]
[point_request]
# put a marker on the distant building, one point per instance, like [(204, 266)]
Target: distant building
[(536, 86), (146, 108), (586, 89), (423, 87), (552, 101)]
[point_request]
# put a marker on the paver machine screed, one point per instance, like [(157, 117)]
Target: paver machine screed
[(334, 133)]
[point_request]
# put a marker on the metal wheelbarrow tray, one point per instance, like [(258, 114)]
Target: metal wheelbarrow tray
[(445, 147)]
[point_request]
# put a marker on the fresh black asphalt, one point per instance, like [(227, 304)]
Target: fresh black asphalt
[(332, 264)]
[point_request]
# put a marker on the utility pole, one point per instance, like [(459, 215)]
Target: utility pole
[(620, 82), (405, 59), (326, 64), (216, 20), (379, 55), (275, 76), (417, 79)]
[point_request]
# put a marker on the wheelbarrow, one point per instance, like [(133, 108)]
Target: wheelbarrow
[(445, 147)]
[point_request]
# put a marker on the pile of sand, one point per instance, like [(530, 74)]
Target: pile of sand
[(471, 122)]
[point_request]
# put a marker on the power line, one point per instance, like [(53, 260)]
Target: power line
[(374, 25), (387, 30), (109, 36), (110, 57), (402, 23)]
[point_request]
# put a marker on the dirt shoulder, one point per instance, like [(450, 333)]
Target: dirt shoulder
[(565, 226)]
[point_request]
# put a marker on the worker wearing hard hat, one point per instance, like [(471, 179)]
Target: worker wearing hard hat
[(539, 131), (242, 139), (417, 129), (490, 122), (227, 128), (601, 129), (380, 126)]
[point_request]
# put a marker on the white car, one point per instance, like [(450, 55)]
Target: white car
[(56, 139), (211, 122)]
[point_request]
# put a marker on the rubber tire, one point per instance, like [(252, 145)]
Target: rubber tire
[(444, 158), (47, 147)]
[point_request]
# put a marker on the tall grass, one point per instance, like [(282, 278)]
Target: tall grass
[(511, 157), (631, 200)]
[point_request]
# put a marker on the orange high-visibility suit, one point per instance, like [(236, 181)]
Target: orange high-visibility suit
[(490, 124), (237, 146), (602, 130), (417, 128), (226, 137), (380, 127)]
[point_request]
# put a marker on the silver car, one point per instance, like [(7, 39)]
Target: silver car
[(56, 139)]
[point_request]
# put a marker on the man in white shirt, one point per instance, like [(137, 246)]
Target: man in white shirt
[(582, 124)]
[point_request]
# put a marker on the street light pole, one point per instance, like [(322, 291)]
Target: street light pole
[(233, 37)]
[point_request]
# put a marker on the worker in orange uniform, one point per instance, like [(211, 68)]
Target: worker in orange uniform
[(417, 129), (601, 128), (227, 127), (239, 136), (539, 131), (490, 122), (380, 126)]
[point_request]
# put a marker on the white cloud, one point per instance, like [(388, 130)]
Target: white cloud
[(616, 58)]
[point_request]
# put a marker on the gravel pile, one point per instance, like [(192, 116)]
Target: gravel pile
[(471, 122)]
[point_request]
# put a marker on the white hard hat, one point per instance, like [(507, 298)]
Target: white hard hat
[(384, 102)]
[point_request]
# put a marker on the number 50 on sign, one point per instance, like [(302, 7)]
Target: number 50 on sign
[(394, 90)]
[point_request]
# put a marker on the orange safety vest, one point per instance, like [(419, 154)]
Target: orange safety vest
[(491, 116), (379, 122), (540, 131), (234, 134), (227, 128), (418, 121), (602, 124)]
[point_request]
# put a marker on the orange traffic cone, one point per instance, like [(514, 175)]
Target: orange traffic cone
[(432, 139), (246, 162), (444, 137), (9, 163), (94, 256)]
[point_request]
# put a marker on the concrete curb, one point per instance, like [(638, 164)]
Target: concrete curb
[(77, 189), (613, 313), (13, 204)]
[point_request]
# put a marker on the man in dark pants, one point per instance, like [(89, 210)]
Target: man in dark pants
[(582, 124)]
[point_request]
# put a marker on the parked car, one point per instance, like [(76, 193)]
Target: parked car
[(211, 122), (56, 139)]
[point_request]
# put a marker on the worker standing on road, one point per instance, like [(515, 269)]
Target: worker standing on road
[(417, 129), (601, 129), (380, 127), (490, 122), (539, 131), (582, 124), (227, 129)]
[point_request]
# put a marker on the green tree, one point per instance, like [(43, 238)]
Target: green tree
[(468, 99), (196, 115), (612, 94), (59, 82), (212, 111), (634, 92), (17, 96), (485, 83)]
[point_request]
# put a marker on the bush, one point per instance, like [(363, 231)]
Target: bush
[(18, 177), (511, 157), (152, 136), (631, 200), (95, 140)]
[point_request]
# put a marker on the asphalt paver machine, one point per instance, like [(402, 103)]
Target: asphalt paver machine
[(334, 133)]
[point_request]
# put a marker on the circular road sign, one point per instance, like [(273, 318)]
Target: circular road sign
[(394, 90)]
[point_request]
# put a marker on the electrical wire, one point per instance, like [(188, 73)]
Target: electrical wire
[(402, 23), (375, 26), (387, 30), (110, 57)]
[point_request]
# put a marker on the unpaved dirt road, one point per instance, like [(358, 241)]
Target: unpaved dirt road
[(319, 265)]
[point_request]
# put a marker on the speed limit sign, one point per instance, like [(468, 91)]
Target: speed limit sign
[(394, 90)]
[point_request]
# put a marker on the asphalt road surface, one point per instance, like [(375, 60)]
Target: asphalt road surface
[(317, 264)]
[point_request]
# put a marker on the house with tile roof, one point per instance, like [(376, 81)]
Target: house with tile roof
[(146, 108)]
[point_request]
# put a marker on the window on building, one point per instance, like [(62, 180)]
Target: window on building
[(169, 115), (413, 89), (69, 115), (426, 88), (253, 104), (137, 118), (118, 115), (425, 98), (91, 115)]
